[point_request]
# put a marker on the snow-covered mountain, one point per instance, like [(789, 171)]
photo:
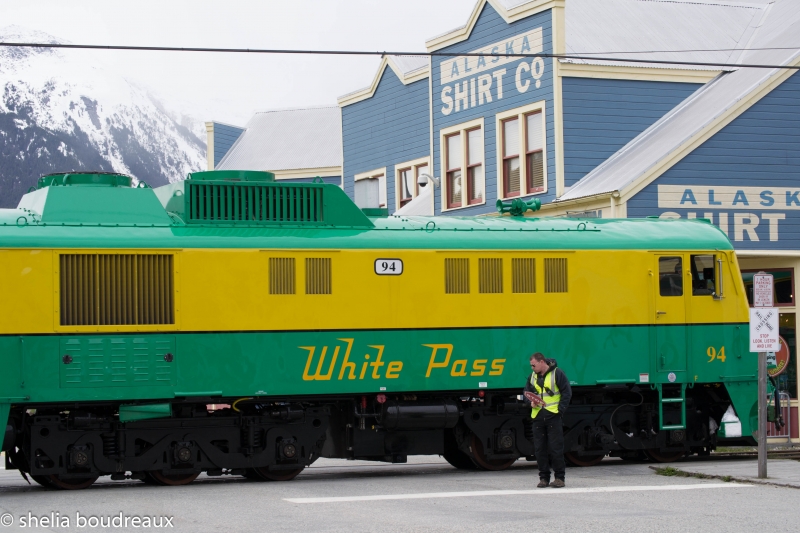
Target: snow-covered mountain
[(62, 110)]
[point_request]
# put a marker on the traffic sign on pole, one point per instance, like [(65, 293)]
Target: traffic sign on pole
[(763, 291), (764, 330), (764, 338)]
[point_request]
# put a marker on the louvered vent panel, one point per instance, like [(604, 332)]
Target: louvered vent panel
[(490, 274), (254, 203), (456, 276), (281, 275), (318, 276), (523, 271), (116, 289), (555, 275)]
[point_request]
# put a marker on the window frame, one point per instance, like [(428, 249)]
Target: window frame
[(414, 166), (377, 174), (521, 114), (462, 129), (466, 185)]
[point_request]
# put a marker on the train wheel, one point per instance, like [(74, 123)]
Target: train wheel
[(583, 460), (172, 480), (71, 483), (278, 475), (459, 459), (478, 455), (656, 455)]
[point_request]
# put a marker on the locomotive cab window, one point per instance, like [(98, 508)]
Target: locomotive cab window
[(670, 276), (703, 275)]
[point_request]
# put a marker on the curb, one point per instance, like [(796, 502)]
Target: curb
[(756, 481)]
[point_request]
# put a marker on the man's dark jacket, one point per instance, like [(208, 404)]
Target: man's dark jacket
[(561, 382)]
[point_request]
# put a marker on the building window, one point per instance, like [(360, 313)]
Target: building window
[(453, 164), (521, 150), (534, 152), (407, 179), (370, 188), (463, 165)]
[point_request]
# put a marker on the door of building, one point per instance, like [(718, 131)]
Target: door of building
[(669, 317)]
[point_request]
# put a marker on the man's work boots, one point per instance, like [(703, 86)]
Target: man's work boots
[(543, 484), (557, 483)]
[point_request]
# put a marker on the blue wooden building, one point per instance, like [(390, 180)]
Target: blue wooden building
[(599, 137)]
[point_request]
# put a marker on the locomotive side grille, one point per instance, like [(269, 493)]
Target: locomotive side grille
[(523, 272), (555, 275), (254, 203), (77, 290), (318, 275), (116, 289), (281, 275), (490, 276), (456, 276)]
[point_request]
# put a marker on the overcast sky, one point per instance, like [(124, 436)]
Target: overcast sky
[(229, 87)]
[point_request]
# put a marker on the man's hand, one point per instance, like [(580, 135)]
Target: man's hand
[(534, 399)]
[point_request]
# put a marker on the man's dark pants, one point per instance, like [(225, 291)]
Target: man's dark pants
[(548, 440)]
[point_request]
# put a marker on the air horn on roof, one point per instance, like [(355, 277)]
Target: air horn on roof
[(518, 206)]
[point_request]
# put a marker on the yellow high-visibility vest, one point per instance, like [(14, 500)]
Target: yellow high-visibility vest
[(551, 398)]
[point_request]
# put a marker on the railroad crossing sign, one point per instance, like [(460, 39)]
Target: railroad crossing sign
[(764, 329)]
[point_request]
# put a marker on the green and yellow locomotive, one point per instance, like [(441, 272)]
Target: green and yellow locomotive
[(232, 324)]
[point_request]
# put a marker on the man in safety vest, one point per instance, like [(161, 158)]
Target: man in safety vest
[(548, 392)]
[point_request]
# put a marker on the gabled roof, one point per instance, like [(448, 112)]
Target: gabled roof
[(288, 139), (716, 31), (407, 68), (510, 10), (704, 113)]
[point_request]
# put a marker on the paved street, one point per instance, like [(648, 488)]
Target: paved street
[(427, 495)]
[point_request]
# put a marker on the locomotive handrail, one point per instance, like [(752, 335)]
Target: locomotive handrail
[(743, 377)]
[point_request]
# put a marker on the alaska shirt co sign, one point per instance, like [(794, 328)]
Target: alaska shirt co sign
[(474, 80), (743, 213)]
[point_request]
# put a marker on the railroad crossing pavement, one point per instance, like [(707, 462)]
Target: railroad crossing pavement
[(780, 472), (426, 494)]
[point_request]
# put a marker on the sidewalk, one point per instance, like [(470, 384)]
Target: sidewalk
[(780, 472)]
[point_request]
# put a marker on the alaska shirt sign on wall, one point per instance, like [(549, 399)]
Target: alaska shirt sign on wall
[(743, 213), (476, 79)]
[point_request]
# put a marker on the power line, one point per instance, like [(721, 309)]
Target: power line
[(694, 50), (385, 53)]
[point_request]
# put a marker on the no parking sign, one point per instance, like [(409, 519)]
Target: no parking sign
[(763, 317)]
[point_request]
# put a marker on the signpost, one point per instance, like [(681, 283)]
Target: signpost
[(763, 338)]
